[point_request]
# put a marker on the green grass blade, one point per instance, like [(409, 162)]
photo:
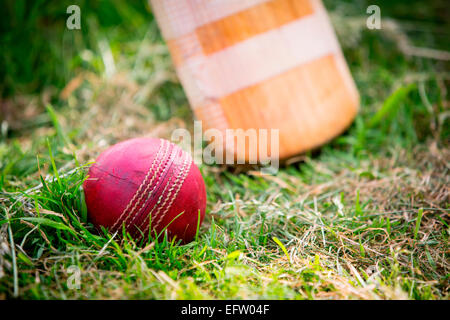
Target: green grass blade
[(278, 242), (52, 160), (48, 223), (391, 104), (418, 221), (62, 137)]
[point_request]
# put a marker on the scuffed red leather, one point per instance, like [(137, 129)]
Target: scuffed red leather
[(118, 173)]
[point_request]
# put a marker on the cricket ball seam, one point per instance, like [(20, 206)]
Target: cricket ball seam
[(172, 186), (178, 184), (183, 173), (162, 195), (146, 195), (144, 182), (138, 192), (156, 205)]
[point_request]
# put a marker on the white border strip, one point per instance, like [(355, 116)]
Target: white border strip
[(340, 59), (208, 78), (177, 18)]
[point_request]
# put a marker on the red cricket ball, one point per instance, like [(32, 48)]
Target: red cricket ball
[(146, 182)]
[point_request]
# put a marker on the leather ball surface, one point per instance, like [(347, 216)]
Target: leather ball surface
[(146, 182)]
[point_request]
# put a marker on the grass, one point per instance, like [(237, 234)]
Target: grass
[(364, 217)]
